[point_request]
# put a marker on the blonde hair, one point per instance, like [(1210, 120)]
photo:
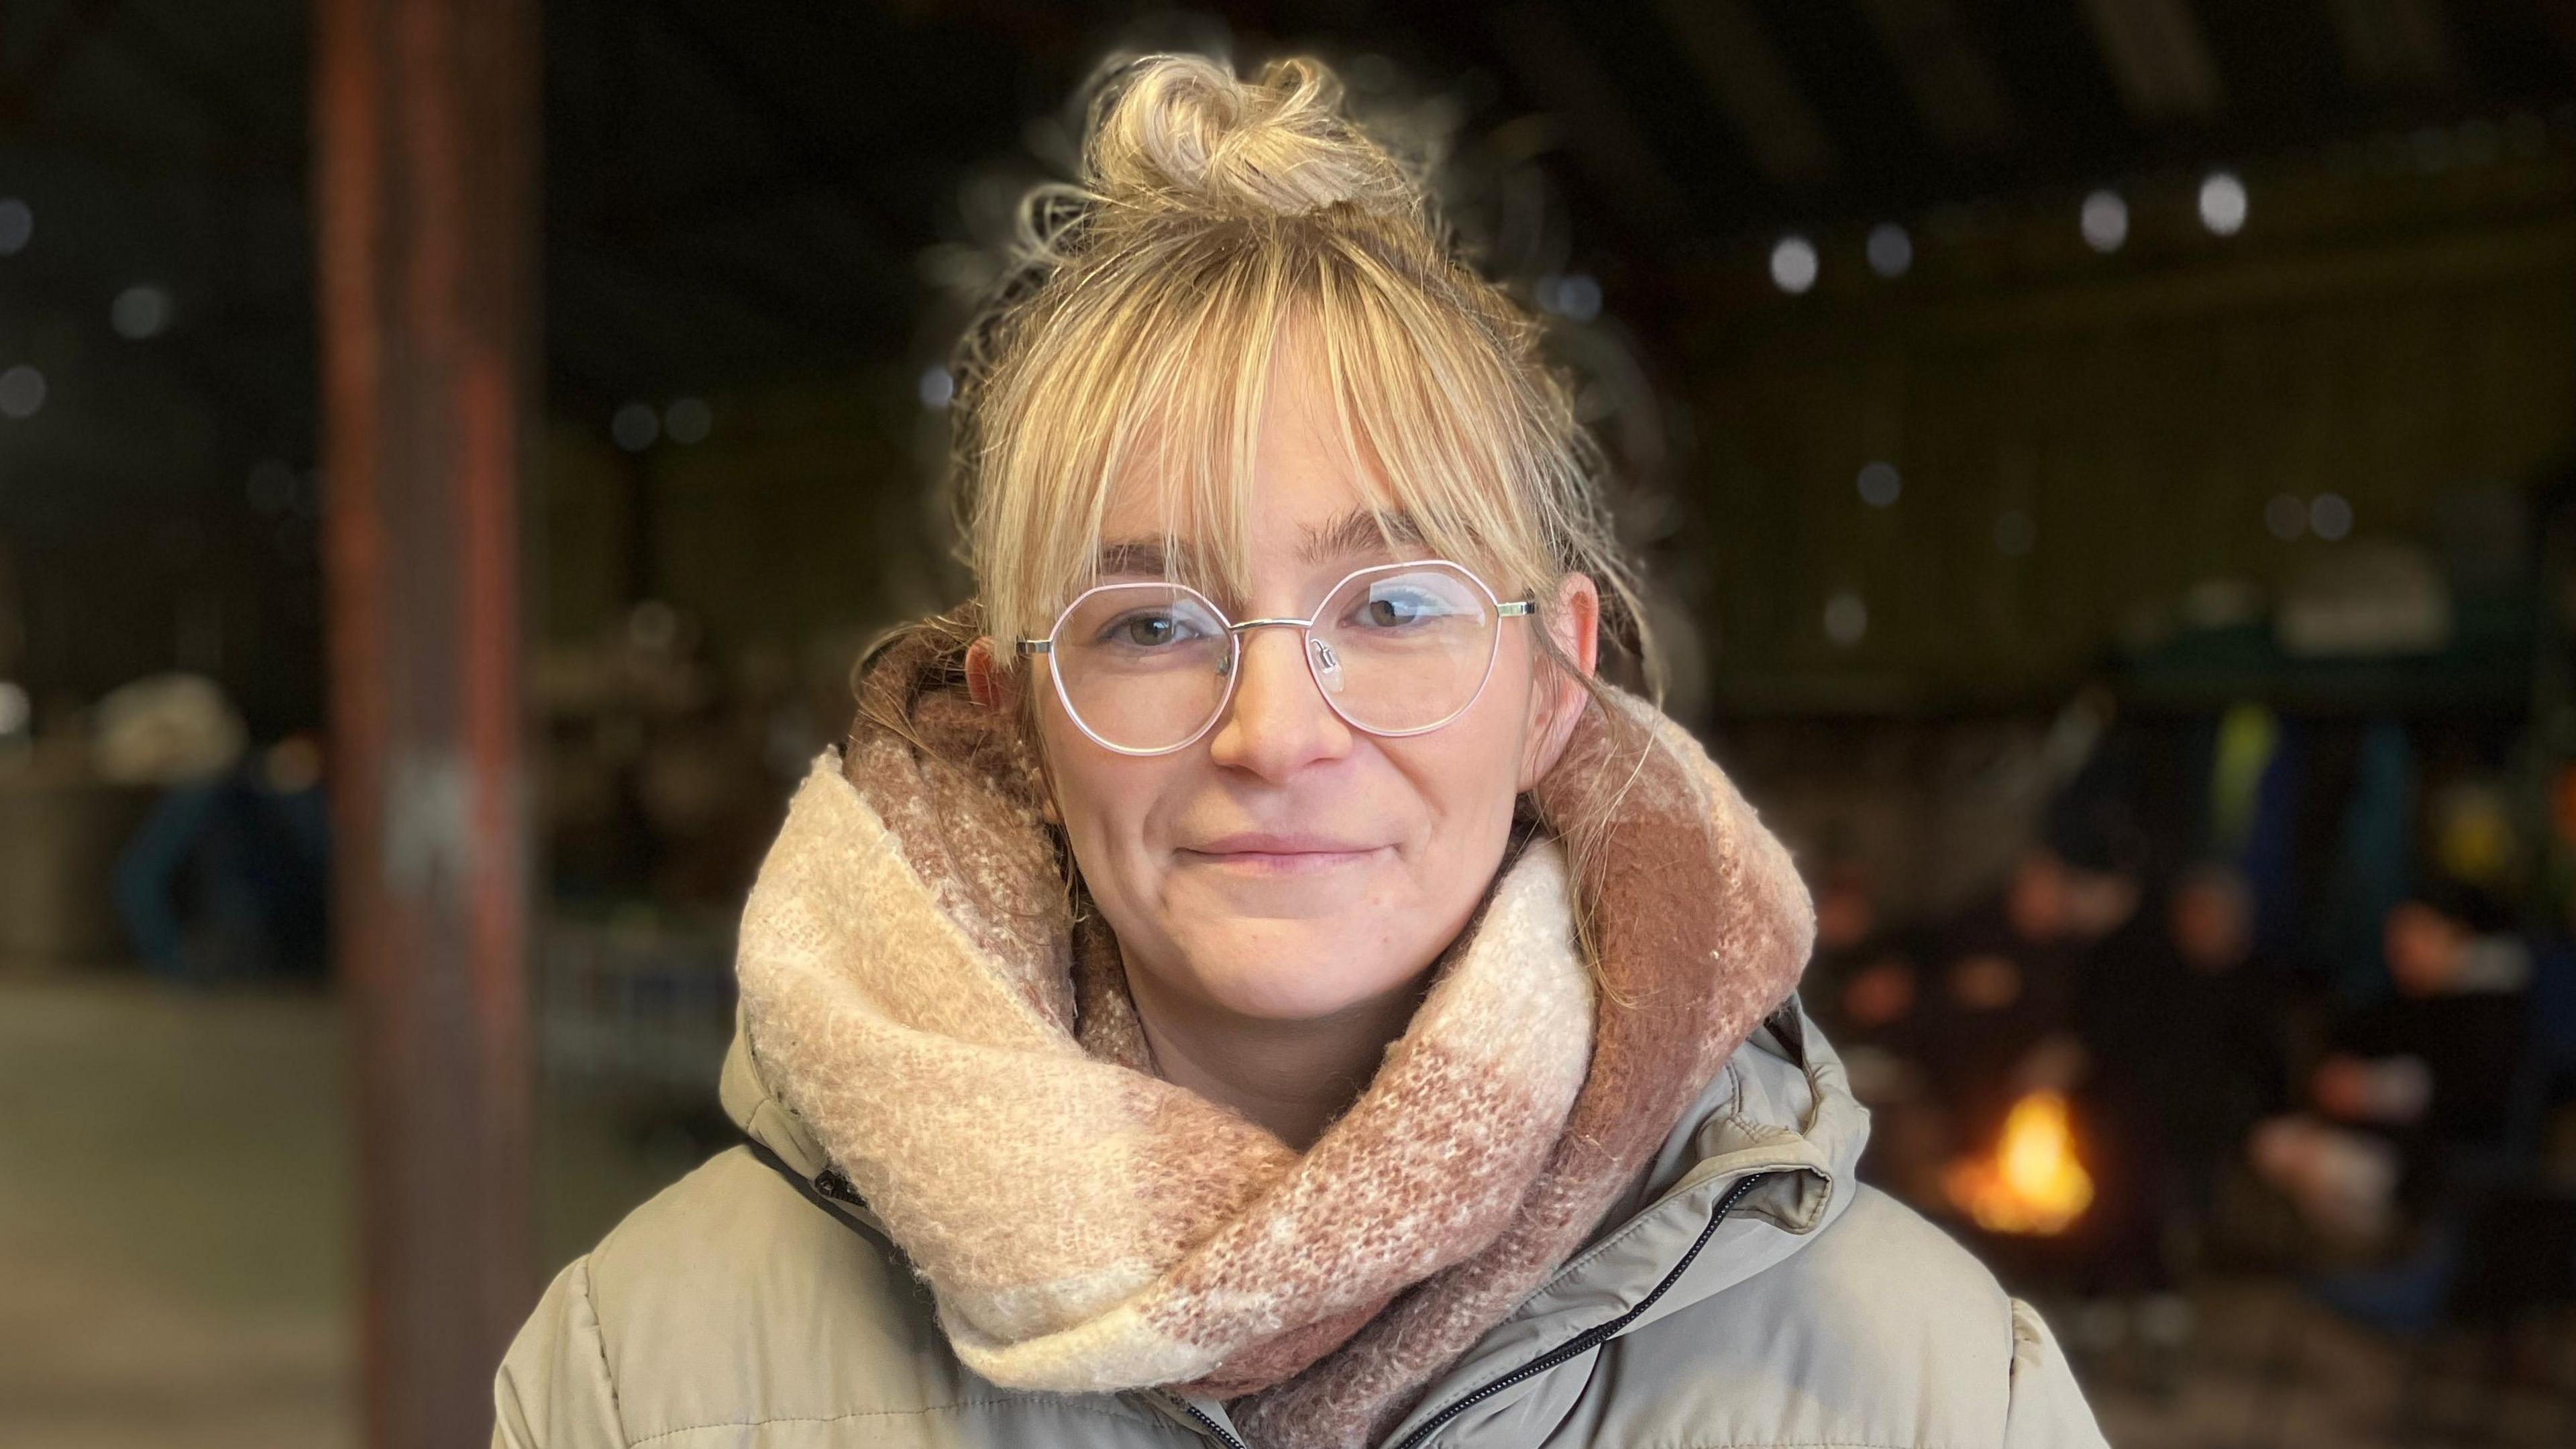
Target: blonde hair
[(1216, 220)]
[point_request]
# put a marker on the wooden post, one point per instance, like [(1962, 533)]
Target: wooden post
[(426, 142)]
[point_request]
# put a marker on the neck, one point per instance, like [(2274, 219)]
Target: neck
[(1292, 1077)]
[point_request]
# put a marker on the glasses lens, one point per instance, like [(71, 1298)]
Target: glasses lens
[(1405, 648), (1143, 666)]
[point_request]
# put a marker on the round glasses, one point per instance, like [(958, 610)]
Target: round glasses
[(1396, 649)]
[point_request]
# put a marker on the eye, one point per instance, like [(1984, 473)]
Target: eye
[(1396, 606), (1151, 629)]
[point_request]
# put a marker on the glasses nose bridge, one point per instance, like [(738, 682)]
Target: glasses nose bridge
[(1242, 644), (1306, 643), (1278, 622)]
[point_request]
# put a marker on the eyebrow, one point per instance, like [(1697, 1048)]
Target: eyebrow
[(1362, 530), (1355, 532), (1140, 556)]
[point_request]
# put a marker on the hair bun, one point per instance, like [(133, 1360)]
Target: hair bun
[(1183, 132)]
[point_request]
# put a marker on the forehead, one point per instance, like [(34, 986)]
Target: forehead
[(1305, 471), (1309, 497)]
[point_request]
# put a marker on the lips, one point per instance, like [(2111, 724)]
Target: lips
[(1280, 852), (1279, 842)]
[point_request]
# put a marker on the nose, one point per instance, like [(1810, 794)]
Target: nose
[(1277, 722)]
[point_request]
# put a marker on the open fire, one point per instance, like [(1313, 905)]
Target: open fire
[(2033, 1183)]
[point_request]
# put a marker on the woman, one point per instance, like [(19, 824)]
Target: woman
[(1246, 980)]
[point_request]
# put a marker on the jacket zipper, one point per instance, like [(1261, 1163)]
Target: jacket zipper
[(1211, 1425), (1589, 1339)]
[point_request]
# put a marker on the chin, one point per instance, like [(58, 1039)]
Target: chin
[(1295, 975)]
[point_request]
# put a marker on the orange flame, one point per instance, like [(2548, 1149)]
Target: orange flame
[(2033, 1184)]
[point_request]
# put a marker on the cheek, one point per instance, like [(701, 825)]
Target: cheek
[(1468, 773), (1102, 800)]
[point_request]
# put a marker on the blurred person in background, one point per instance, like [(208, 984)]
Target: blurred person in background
[(1861, 977), (1245, 956), (226, 877), (2414, 1096), (2182, 1019), (1867, 991), (2433, 1067), (2001, 1019)]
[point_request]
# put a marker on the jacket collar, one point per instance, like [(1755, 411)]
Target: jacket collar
[(776, 1128), (1782, 1112)]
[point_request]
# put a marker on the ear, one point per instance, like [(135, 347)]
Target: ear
[(995, 688), (987, 682), (1557, 696)]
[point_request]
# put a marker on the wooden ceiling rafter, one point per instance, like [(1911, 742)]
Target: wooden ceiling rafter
[(1953, 82), (1753, 84), (1607, 139), (2159, 57), (2395, 44)]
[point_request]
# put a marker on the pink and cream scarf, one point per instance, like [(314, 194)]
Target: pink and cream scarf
[(920, 987)]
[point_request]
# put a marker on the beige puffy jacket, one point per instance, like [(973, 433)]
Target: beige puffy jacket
[(1749, 1292)]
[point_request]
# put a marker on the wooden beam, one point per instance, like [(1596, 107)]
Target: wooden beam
[(427, 132), (26, 86), (2430, 265), (1608, 143), (1752, 83), (1954, 85), (2395, 44), (2160, 59)]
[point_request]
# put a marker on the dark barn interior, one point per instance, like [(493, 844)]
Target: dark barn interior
[(2103, 469)]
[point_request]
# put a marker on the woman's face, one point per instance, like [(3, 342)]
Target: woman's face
[(1287, 866)]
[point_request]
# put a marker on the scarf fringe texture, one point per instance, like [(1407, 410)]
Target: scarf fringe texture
[(922, 989)]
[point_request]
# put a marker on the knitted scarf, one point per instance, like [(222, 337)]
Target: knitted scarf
[(924, 989)]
